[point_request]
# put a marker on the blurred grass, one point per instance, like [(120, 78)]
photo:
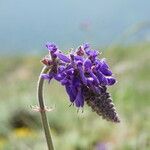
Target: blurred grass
[(20, 127)]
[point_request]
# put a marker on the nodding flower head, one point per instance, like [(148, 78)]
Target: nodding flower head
[(85, 77)]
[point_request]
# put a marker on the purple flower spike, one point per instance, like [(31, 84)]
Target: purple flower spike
[(84, 76)]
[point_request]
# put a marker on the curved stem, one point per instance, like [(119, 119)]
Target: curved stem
[(42, 109)]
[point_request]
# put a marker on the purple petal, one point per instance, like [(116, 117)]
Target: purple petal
[(78, 58), (83, 78), (111, 80), (87, 64), (92, 53), (104, 68), (92, 86), (105, 71), (79, 101), (90, 81), (51, 47), (81, 72), (72, 95), (102, 79), (63, 57), (65, 69), (61, 69), (79, 63), (65, 81), (104, 63), (98, 63), (94, 77), (59, 76), (70, 71), (76, 82), (47, 76)]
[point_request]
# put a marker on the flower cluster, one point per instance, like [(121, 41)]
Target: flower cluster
[(81, 72)]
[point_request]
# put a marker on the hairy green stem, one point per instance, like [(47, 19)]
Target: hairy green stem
[(42, 109)]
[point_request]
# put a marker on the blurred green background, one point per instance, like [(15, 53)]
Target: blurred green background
[(120, 29)]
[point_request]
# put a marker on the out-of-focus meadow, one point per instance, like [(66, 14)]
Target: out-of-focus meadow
[(20, 126), (120, 29)]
